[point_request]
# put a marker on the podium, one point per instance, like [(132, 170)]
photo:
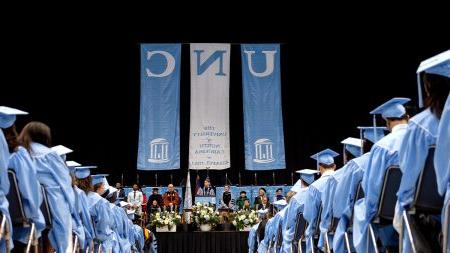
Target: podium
[(206, 200)]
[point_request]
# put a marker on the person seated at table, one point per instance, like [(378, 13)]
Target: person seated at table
[(153, 207), (278, 195), (226, 200), (155, 196), (246, 205), (261, 195), (241, 199), (207, 189), (264, 205), (171, 199)]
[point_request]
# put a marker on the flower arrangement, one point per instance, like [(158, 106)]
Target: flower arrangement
[(205, 214), (162, 219), (244, 219)]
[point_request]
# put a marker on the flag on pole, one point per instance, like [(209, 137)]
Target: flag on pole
[(188, 194)]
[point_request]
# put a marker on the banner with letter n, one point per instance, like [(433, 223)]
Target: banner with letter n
[(209, 137), (159, 128), (263, 121)]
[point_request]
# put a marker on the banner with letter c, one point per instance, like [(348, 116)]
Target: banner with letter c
[(263, 121), (209, 139), (159, 128)]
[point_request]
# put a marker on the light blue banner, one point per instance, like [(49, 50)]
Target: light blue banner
[(159, 128), (263, 122)]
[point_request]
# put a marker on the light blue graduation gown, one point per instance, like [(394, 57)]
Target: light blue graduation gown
[(120, 228), (345, 198), (30, 190), (442, 158), (85, 216), (383, 155), (312, 207), (54, 175), (277, 223), (100, 213), (252, 238), (4, 187), (294, 207), (420, 135), (77, 224), (139, 236)]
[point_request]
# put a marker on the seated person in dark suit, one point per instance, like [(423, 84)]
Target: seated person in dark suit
[(155, 196), (264, 205), (153, 207), (261, 195)]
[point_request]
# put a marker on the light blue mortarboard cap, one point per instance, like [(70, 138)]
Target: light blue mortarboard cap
[(391, 109), (352, 145), (325, 157), (369, 133), (84, 171), (72, 165), (307, 175), (99, 178), (438, 65), (8, 116)]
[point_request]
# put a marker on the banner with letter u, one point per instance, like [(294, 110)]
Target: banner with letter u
[(209, 139), (159, 128), (263, 122)]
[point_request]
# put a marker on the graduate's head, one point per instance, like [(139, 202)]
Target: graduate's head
[(393, 112), (11, 137), (135, 187), (262, 192), (326, 167), (37, 132), (325, 160), (437, 88), (85, 184), (243, 194), (393, 121), (99, 188)]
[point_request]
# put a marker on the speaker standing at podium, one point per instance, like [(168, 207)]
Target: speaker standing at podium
[(207, 190)]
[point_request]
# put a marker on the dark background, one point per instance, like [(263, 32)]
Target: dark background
[(79, 73)]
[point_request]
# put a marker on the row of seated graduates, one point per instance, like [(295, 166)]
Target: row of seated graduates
[(420, 229)]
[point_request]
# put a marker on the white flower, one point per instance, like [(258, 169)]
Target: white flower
[(242, 217), (207, 217), (246, 221), (234, 223)]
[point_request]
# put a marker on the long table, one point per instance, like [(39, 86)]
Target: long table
[(202, 242)]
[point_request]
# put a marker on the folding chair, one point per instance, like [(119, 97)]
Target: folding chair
[(300, 227), (386, 203), (18, 217), (4, 232), (426, 198)]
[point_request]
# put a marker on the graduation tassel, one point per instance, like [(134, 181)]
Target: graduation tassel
[(375, 127)]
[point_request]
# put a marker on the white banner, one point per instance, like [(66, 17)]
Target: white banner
[(209, 140)]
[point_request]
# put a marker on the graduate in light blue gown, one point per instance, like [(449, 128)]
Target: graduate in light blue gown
[(81, 173), (78, 229), (346, 189), (7, 119), (122, 229), (295, 207), (421, 135), (278, 223), (326, 165), (53, 174), (352, 149), (252, 238), (442, 159), (382, 155), (100, 213)]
